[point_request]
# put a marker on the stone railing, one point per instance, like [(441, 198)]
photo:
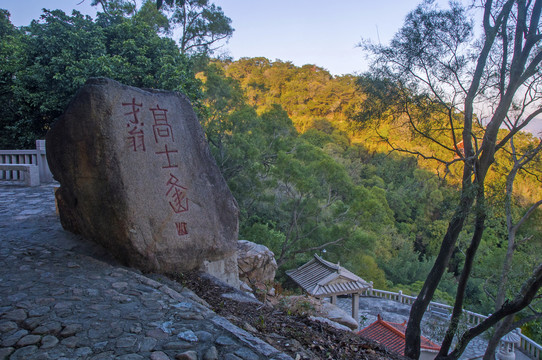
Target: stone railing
[(527, 345), (35, 157)]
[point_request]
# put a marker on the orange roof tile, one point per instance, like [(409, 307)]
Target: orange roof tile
[(392, 336)]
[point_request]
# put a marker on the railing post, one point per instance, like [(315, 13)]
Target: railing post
[(400, 296), (45, 174), (355, 306)]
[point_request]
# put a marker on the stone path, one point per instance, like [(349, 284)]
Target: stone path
[(62, 297)]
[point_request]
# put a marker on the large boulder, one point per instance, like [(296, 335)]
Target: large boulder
[(338, 315), (257, 264), (310, 306), (136, 176)]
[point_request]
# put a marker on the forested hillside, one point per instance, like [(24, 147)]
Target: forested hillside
[(311, 178), (318, 163)]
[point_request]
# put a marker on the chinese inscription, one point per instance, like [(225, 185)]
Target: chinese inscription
[(136, 138), (176, 195)]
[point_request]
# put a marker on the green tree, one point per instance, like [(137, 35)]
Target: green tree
[(10, 48), (202, 25), (435, 82), (52, 57)]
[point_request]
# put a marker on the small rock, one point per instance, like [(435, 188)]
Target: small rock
[(7, 326), (92, 292), (71, 330), (136, 328), (187, 335), (126, 341), (5, 352), (100, 345), (39, 311), (13, 338), (130, 357), (16, 315), (177, 345), (190, 315), (24, 305), (103, 356), (188, 355), (246, 354), (157, 334), (83, 352), (232, 357), (204, 336), (63, 305), (249, 328), (51, 327), (245, 287), (70, 342), (183, 305), (148, 344), (115, 332), (17, 297), (28, 340), (23, 353), (224, 341), (48, 341), (159, 355), (211, 354), (95, 333), (119, 285), (32, 323)]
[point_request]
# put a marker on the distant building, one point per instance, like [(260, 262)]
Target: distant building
[(392, 336), (323, 279)]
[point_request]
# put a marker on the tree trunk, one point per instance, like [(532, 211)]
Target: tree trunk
[(412, 333), (500, 330), (465, 274)]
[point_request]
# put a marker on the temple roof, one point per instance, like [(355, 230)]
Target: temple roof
[(392, 336), (321, 278)]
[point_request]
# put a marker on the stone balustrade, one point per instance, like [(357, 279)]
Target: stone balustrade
[(527, 345), (36, 157)]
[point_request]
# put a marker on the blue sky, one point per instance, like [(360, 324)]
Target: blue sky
[(318, 32)]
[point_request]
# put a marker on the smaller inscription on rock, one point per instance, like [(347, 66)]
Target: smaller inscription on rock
[(137, 176)]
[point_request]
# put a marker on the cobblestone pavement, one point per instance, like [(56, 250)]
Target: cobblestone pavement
[(433, 326), (62, 297)]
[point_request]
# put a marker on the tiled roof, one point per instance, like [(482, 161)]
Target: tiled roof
[(322, 278), (392, 336)]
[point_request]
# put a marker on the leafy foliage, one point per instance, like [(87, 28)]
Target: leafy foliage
[(52, 57)]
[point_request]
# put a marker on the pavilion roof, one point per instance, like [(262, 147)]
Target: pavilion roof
[(321, 278), (392, 336)]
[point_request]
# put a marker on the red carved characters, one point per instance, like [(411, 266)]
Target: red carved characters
[(181, 228), (176, 194), (136, 140), (167, 152), (161, 128)]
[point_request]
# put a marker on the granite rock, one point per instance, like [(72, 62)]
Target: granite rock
[(137, 177)]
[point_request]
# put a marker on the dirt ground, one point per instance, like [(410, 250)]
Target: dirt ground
[(295, 335)]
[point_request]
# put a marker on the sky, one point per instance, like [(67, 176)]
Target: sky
[(324, 33)]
